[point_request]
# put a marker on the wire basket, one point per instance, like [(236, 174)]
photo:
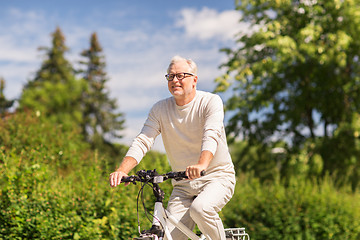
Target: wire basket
[(236, 234)]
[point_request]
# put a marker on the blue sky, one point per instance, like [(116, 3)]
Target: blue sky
[(138, 37)]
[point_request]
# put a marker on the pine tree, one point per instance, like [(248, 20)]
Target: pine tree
[(102, 122), (4, 103), (54, 91)]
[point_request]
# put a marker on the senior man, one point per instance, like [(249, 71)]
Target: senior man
[(192, 129)]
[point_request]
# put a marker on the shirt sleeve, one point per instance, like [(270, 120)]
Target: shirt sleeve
[(145, 140), (214, 125)]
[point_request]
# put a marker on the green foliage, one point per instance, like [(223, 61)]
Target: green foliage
[(302, 210), (33, 138), (60, 102), (54, 91), (101, 121), (256, 159), (343, 163), (301, 58), (54, 187), (295, 77), (4, 103)]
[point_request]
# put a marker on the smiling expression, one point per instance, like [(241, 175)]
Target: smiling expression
[(183, 90)]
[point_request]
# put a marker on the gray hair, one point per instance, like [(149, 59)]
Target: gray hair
[(191, 63)]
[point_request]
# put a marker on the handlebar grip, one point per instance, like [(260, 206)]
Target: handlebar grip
[(183, 174), (132, 179)]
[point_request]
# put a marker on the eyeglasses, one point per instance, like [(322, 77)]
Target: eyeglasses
[(179, 76)]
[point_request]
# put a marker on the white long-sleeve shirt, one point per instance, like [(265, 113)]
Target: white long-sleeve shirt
[(186, 132)]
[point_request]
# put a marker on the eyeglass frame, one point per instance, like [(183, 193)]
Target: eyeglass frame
[(175, 75)]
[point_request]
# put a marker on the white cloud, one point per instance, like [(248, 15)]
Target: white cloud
[(136, 57), (19, 37), (208, 23), (10, 51)]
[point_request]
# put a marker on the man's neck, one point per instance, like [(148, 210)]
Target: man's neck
[(186, 99)]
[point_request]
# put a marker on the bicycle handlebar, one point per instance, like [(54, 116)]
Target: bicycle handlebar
[(154, 177)]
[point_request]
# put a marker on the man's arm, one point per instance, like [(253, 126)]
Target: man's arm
[(194, 171), (126, 166), (141, 144)]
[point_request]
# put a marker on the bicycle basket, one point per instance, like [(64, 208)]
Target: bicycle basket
[(236, 234)]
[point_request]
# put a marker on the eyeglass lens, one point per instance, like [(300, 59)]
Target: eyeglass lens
[(179, 76)]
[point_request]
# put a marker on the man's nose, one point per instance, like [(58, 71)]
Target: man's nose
[(177, 80)]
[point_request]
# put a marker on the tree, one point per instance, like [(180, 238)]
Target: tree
[(4, 103), (102, 121), (296, 75), (54, 91)]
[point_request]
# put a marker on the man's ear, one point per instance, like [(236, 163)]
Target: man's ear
[(195, 80)]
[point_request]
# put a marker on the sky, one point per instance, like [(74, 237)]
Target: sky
[(139, 38)]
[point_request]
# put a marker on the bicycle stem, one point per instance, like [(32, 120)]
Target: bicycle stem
[(158, 193)]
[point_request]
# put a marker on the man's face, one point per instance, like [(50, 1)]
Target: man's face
[(183, 90)]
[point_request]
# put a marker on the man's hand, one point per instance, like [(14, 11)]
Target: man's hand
[(126, 165), (115, 178), (194, 171)]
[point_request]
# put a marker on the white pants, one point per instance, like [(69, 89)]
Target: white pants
[(198, 202)]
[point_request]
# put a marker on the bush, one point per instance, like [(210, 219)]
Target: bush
[(302, 210), (55, 187)]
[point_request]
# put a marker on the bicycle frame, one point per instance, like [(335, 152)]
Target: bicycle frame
[(162, 217)]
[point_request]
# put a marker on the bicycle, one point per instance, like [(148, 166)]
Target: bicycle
[(161, 216)]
